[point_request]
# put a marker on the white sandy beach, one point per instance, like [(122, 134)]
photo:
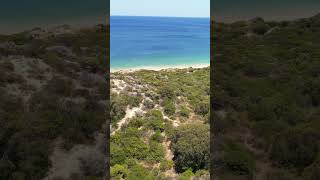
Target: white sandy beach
[(158, 68)]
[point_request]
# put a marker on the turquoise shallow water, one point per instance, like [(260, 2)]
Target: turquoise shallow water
[(158, 41)]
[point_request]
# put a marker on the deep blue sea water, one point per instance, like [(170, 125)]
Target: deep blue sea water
[(158, 41)]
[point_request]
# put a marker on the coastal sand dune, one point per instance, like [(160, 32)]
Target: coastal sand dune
[(158, 68)]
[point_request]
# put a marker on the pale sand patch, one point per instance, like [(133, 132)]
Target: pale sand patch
[(120, 85), (175, 123), (24, 66), (158, 68), (67, 162), (130, 113)]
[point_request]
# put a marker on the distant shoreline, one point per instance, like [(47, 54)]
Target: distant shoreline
[(157, 68)]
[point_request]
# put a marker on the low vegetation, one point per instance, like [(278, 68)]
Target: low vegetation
[(45, 102), (266, 99), (162, 135)]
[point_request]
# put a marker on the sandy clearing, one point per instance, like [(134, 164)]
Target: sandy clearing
[(130, 113)]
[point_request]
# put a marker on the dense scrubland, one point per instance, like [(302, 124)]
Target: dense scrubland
[(160, 124), (52, 103), (266, 99)]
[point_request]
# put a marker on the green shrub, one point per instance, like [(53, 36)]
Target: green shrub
[(131, 143), (295, 147), (133, 101), (166, 165), (60, 86), (263, 111), (221, 124), (156, 152), (169, 129), (92, 163), (117, 154), (169, 107), (117, 109), (135, 148), (312, 172), (154, 120), (154, 114), (202, 108), (167, 91), (239, 162), (6, 167), (259, 26), (138, 172), (136, 122), (190, 145), (149, 104), (20, 38), (187, 175), (184, 112), (52, 59), (157, 137), (7, 66), (10, 78), (119, 171), (279, 174)]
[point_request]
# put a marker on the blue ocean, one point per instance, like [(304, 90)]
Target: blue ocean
[(138, 42)]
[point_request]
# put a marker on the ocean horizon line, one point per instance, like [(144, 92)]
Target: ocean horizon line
[(196, 17)]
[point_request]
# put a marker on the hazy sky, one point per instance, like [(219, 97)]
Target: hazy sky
[(176, 8), (231, 10)]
